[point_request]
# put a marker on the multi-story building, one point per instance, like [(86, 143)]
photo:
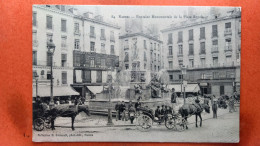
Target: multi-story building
[(209, 48), (95, 53), (141, 53), (53, 22), (86, 50)]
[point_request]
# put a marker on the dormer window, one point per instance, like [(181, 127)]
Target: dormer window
[(62, 8)]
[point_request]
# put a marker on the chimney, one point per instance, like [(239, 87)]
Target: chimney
[(88, 15)]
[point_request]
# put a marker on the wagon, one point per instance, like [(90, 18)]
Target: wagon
[(146, 118), (41, 119)]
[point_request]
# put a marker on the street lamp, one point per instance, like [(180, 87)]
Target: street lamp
[(183, 72), (36, 79), (109, 75), (51, 48)]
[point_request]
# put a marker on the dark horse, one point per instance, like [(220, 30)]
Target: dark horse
[(67, 111), (193, 109)]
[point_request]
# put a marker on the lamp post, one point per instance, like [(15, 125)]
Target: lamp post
[(183, 72), (36, 79), (109, 120), (51, 48)]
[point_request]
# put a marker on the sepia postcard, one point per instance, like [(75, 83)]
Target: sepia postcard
[(136, 73)]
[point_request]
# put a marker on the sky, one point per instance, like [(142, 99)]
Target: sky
[(116, 14)]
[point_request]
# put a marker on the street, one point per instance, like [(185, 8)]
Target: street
[(223, 129)]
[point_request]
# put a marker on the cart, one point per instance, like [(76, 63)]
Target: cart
[(41, 118)]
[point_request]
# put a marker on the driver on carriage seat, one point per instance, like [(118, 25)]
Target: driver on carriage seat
[(197, 104)]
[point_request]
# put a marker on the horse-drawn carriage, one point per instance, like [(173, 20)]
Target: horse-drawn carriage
[(41, 119), (145, 119)]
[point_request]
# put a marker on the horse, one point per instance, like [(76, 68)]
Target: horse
[(67, 111), (193, 109)]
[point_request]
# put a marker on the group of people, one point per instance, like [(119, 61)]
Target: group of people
[(162, 111), (122, 110)]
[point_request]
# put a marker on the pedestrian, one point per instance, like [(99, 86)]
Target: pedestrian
[(163, 112), (173, 97), (231, 104), (215, 109), (131, 112), (130, 104), (117, 107), (137, 105), (122, 110), (157, 112)]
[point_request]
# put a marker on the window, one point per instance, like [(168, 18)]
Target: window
[(112, 49), (49, 22), (48, 75), (180, 50), (180, 62), (191, 49), (222, 90), (49, 59), (170, 38), (92, 62), (154, 46), (112, 37), (158, 68), (103, 36), (145, 59), (202, 48), (170, 65), (63, 25), (151, 67), (86, 76), (215, 42), (145, 44), (202, 61), (63, 60), (126, 57), (126, 66), (228, 25), (202, 33), (76, 28), (215, 61), (214, 31), (159, 57), (34, 73), (228, 60), (34, 19), (49, 37), (228, 44), (92, 46), (180, 76), (99, 76), (151, 45), (155, 68), (64, 77), (92, 31), (144, 65), (76, 44), (154, 56), (215, 75), (190, 34), (215, 45), (191, 63), (103, 48), (34, 57), (179, 36), (63, 42), (203, 76), (171, 77), (170, 50)]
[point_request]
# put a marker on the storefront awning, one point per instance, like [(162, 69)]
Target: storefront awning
[(189, 88), (95, 89), (45, 91)]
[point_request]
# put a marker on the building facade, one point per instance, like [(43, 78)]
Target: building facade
[(209, 49), (86, 51), (142, 55), (52, 23)]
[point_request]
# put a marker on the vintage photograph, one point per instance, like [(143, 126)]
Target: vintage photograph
[(135, 73)]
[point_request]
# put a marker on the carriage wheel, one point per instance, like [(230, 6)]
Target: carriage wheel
[(144, 123), (38, 124), (48, 123), (170, 123), (181, 124)]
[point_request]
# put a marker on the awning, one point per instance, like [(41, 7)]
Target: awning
[(95, 89), (189, 88), (45, 91)]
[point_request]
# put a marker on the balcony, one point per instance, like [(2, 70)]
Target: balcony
[(228, 50), (77, 33), (63, 46), (103, 38), (170, 56), (92, 35), (112, 39), (169, 42), (202, 54), (214, 35), (202, 39), (92, 49), (180, 56), (180, 41), (214, 51), (191, 40), (35, 43), (227, 32), (191, 55)]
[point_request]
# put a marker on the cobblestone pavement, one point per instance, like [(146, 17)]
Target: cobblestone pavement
[(223, 129)]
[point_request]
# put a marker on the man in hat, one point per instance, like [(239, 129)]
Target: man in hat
[(122, 110), (117, 108), (157, 112), (137, 104), (215, 109)]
